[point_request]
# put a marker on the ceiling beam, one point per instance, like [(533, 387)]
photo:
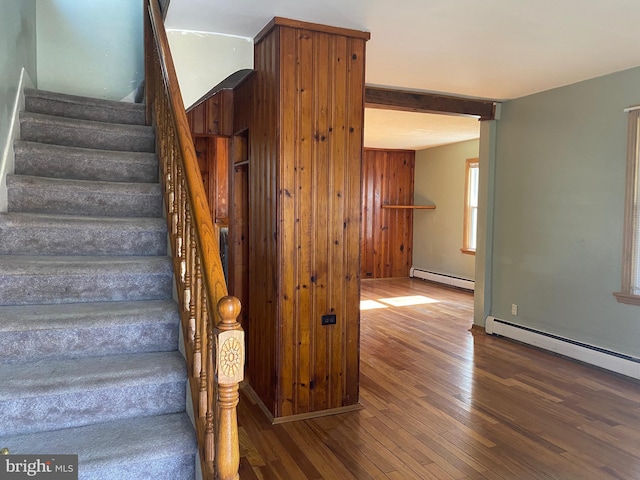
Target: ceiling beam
[(385, 98)]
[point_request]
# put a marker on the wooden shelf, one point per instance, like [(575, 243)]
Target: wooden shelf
[(414, 207)]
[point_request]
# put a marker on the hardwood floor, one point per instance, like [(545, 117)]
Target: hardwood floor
[(441, 402)]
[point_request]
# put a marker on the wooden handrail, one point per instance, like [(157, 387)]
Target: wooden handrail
[(207, 313)]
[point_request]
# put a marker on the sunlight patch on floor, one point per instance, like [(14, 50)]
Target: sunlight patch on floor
[(408, 301), (371, 304), (396, 302)]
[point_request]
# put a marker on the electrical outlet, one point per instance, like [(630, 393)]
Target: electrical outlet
[(329, 319), (514, 309)]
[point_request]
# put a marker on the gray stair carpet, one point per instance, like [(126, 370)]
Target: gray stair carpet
[(89, 331)]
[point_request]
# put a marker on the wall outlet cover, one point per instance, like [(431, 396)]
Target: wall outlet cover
[(329, 319)]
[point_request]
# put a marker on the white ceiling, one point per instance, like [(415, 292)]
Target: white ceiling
[(415, 131), (490, 49)]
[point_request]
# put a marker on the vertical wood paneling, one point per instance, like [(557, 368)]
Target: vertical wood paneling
[(221, 179), (201, 145), (351, 282), (239, 222), (322, 204), (239, 243), (305, 149), (263, 207), (336, 335), (213, 116), (213, 158), (290, 290), (387, 241), (323, 218)]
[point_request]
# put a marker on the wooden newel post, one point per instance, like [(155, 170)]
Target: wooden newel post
[(229, 373)]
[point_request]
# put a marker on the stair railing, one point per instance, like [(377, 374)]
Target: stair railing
[(214, 340)]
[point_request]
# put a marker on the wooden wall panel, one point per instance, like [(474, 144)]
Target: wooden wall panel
[(263, 230), (243, 104), (239, 243), (387, 240), (354, 130), (322, 80), (220, 183), (305, 134), (213, 116), (213, 158)]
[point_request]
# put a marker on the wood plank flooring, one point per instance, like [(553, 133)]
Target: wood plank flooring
[(441, 403)]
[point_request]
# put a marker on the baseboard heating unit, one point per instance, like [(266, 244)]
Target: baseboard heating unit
[(600, 357), (441, 278)]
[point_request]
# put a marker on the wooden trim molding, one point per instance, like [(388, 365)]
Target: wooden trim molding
[(229, 83), (411, 207), (253, 397), (477, 329), (321, 413), (628, 256), (470, 163), (316, 27), (627, 298), (406, 101)]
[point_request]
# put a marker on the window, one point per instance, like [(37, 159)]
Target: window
[(630, 292), (470, 227)]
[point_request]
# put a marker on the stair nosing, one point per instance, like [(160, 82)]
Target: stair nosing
[(83, 100), (128, 157), (36, 182), (75, 222), (45, 378), (17, 318), (43, 118), (96, 456)]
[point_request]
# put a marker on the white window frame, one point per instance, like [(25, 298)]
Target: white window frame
[(630, 291), (470, 222)]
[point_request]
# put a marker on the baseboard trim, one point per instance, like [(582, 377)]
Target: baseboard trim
[(6, 161), (442, 278), (477, 329), (253, 397), (321, 413), (593, 355)]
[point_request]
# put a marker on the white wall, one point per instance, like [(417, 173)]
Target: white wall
[(203, 60), (90, 47), (17, 64), (437, 234)]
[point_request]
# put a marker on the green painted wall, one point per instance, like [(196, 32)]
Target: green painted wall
[(559, 192), (437, 234), (90, 47), (17, 51)]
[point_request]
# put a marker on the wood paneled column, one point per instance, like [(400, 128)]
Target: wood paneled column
[(305, 133)]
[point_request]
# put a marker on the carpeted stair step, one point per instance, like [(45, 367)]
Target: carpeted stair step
[(49, 234), (37, 127), (85, 108), (68, 279), (74, 330), (46, 160), (150, 448), (89, 332), (55, 394), (31, 194)]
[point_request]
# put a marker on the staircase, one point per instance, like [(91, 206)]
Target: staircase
[(89, 360)]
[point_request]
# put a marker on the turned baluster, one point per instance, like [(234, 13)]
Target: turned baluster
[(204, 372), (211, 392), (197, 342)]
